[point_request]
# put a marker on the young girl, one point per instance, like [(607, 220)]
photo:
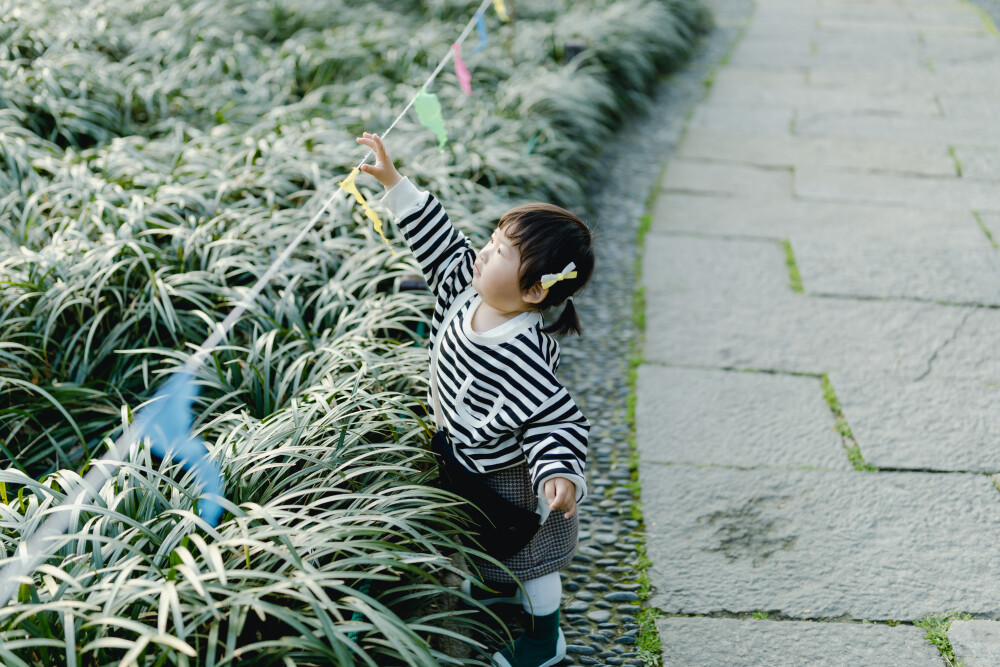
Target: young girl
[(508, 417)]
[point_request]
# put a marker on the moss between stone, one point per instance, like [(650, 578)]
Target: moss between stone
[(794, 278), (937, 626), (850, 444), (648, 645), (958, 163), (986, 230)]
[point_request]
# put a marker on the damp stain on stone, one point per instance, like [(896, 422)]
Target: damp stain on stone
[(749, 532)]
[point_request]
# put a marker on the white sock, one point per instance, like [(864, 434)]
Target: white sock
[(542, 595)]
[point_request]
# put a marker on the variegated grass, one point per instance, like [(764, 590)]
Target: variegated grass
[(155, 158)]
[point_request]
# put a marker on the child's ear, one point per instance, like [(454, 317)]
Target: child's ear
[(536, 294)]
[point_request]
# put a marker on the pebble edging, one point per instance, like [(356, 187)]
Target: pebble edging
[(601, 603)]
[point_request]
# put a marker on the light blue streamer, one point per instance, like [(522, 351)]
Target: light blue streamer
[(481, 27), (166, 421)]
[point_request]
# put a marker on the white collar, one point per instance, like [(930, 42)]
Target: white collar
[(501, 333)]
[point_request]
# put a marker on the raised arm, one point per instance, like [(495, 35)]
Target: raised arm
[(443, 252)]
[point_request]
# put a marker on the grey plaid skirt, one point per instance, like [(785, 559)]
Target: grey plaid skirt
[(552, 547)]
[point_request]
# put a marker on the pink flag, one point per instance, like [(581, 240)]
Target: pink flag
[(461, 71)]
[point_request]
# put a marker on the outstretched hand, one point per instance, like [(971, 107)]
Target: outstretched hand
[(561, 494), (383, 168)]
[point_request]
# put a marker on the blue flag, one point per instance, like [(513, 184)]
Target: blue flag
[(481, 27), (166, 420)]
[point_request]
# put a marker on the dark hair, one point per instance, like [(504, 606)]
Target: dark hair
[(548, 238)]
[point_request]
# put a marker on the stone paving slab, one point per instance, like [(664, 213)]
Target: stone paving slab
[(902, 13), (801, 43), (759, 76), (924, 192), (785, 21), (812, 100), (963, 70), (915, 129), (850, 100), (908, 45), (947, 50), (760, 643), (796, 31), (980, 163), (681, 263), (978, 104), (926, 425), (779, 219), (957, 24), (730, 179), (791, 51), (836, 42), (768, 120), (798, 333), (821, 544), (976, 643), (849, 267), (982, 108), (970, 353), (858, 5), (866, 19), (816, 56), (901, 78), (736, 419), (796, 151)]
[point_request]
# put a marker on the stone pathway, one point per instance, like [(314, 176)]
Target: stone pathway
[(854, 144)]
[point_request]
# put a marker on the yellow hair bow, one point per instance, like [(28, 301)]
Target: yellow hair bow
[(550, 279)]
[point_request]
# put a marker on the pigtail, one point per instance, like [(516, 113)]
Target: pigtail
[(566, 323)]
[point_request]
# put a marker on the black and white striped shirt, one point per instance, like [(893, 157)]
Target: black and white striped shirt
[(500, 399)]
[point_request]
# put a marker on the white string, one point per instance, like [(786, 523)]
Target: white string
[(195, 361), (29, 554)]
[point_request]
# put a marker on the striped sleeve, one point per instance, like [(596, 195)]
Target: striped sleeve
[(443, 252), (555, 442)]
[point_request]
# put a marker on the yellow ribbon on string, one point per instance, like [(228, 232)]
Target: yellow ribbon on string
[(352, 188), (501, 8)]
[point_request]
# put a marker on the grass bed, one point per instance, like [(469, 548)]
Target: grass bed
[(155, 158)]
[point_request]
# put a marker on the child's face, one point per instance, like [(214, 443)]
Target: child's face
[(495, 274)]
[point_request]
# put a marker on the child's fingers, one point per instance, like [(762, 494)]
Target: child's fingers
[(374, 143), (372, 140)]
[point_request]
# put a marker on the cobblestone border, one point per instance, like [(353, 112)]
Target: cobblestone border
[(603, 584)]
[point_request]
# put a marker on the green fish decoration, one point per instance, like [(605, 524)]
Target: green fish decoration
[(429, 111)]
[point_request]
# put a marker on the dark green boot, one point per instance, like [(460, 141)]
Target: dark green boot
[(496, 593), (541, 645)]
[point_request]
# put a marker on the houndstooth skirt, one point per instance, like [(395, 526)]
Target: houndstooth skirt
[(552, 547)]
